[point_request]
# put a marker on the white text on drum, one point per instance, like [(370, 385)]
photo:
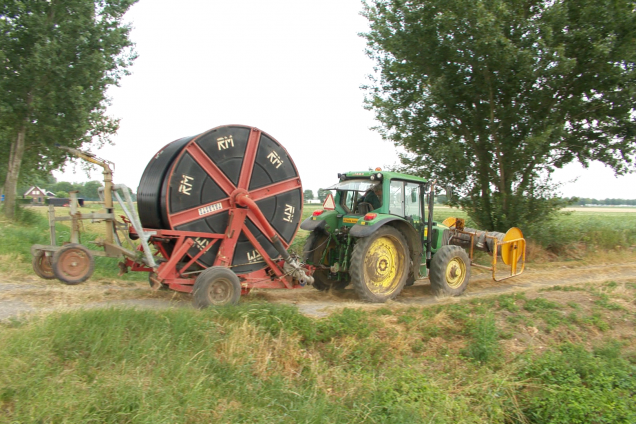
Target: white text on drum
[(209, 209), (184, 185)]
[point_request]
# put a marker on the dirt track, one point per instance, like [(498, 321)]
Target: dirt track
[(21, 296)]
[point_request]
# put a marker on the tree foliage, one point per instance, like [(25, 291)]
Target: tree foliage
[(309, 194), (322, 194), (59, 57), (493, 95)]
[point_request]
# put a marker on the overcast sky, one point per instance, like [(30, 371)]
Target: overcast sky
[(292, 68)]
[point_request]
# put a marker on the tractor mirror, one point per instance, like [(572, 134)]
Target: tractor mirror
[(449, 192)]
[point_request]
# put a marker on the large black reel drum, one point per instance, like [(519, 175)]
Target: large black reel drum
[(187, 186)]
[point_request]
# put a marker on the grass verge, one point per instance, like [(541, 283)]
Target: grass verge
[(559, 356)]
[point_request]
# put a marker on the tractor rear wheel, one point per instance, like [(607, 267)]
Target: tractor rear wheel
[(450, 271), (313, 250), (42, 265), (379, 265), (216, 286), (73, 264)]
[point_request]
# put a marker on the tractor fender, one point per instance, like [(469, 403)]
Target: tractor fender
[(412, 237), (366, 230), (312, 225)]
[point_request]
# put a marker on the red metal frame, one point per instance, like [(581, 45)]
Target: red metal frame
[(182, 278), (178, 270)]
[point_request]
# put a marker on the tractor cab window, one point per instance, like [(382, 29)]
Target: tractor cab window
[(353, 193), (412, 204), (348, 200), (396, 198), (406, 201)]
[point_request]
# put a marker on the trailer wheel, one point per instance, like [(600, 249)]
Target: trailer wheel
[(216, 286), (379, 265), (73, 264), (313, 250), (450, 271), (42, 265)]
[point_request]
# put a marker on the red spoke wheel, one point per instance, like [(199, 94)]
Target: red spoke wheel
[(188, 185), (73, 264), (216, 286), (42, 265)]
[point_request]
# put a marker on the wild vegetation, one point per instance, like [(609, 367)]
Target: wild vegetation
[(566, 355)]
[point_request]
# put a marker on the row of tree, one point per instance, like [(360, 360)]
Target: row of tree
[(584, 201), (321, 195), (86, 190)]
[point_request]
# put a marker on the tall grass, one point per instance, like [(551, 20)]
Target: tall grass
[(573, 230), (264, 363)]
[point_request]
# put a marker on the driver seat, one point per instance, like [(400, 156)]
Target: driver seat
[(364, 208)]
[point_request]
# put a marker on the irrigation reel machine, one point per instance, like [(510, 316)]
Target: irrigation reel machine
[(218, 211)]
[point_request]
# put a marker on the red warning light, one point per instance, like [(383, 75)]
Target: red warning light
[(370, 216), (316, 213)]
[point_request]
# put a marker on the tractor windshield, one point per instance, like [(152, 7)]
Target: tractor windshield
[(354, 185)]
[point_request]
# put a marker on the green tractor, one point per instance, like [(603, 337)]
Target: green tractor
[(378, 234)]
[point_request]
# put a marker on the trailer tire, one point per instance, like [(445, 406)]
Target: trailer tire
[(312, 252), (379, 265), (216, 286), (450, 271), (42, 265), (73, 264)]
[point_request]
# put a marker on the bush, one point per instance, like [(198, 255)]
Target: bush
[(577, 386), (484, 339)]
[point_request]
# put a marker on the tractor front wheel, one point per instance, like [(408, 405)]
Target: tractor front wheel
[(216, 286), (315, 247), (450, 271), (379, 265)]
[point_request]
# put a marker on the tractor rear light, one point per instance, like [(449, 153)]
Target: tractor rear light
[(370, 216), (316, 213)]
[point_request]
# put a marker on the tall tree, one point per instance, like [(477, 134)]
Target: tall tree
[(309, 194), (493, 95), (58, 58)]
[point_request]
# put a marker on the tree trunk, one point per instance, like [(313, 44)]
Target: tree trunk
[(11, 183)]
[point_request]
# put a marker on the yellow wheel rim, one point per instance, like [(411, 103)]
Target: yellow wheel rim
[(383, 265), (455, 273)]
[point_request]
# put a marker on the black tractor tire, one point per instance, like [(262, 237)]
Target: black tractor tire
[(312, 253), (379, 265), (450, 271), (42, 265), (73, 264), (216, 286)]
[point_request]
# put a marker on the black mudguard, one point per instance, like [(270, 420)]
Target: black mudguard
[(311, 225)]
